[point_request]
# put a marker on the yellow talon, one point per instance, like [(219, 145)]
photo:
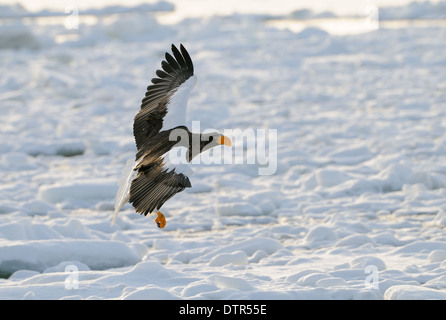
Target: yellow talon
[(160, 220)]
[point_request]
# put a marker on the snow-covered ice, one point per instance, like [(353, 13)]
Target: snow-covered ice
[(355, 210)]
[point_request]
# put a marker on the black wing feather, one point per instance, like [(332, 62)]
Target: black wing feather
[(162, 74), (156, 81), (179, 57), (171, 60), (166, 67), (187, 58)]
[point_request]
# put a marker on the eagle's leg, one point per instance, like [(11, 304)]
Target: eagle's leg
[(160, 220)]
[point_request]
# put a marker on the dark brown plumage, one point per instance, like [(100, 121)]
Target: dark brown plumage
[(154, 178)]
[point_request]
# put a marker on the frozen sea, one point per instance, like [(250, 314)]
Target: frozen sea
[(355, 207)]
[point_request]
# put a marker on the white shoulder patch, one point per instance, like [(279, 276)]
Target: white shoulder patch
[(176, 109), (175, 159)]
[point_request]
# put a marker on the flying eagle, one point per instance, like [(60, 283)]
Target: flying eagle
[(164, 144)]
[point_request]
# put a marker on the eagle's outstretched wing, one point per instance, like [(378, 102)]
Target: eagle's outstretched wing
[(153, 186), (164, 105)]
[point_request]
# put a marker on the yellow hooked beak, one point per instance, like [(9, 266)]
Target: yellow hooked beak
[(224, 141)]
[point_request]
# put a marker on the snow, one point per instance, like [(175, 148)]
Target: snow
[(415, 10), (39, 255), (16, 36), (355, 209)]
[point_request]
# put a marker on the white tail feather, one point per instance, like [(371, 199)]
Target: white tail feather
[(123, 194)]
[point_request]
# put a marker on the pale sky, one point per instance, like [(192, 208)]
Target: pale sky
[(209, 7)]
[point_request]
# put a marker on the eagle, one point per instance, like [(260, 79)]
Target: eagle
[(165, 145)]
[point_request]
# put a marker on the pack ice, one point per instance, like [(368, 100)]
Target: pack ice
[(355, 210)]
